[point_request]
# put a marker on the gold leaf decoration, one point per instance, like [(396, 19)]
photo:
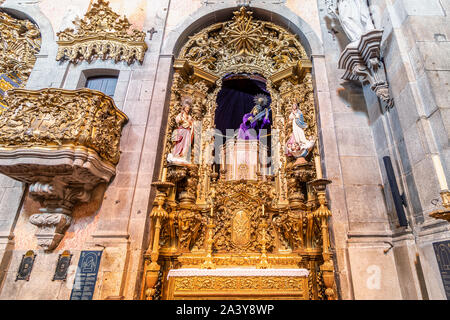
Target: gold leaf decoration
[(102, 34), (243, 45), (57, 119), (20, 40), (263, 220)]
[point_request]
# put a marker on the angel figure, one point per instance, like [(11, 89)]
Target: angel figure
[(183, 135), (298, 146)]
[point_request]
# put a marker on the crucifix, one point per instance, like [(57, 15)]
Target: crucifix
[(151, 32)]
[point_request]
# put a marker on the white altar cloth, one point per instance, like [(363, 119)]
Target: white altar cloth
[(237, 272)]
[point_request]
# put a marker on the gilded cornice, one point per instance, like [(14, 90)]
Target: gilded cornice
[(102, 34), (60, 119)]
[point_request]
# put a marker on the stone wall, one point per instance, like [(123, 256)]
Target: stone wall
[(415, 51), (355, 135)]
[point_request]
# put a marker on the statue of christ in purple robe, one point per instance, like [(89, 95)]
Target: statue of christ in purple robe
[(251, 125)]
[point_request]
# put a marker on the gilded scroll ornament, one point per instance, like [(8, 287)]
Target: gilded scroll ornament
[(239, 283), (102, 34)]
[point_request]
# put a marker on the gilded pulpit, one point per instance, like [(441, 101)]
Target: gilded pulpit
[(240, 215), (62, 143)]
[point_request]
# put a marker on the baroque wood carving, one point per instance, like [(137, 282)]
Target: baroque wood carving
[(102, 34), (243, 44), (55, 118), (63, 143), (202, 217)]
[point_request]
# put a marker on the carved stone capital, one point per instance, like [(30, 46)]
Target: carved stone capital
[(52, 225), (361, 61)]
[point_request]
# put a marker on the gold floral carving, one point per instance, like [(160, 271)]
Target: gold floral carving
[(190, 225), (58, 119), (239, 215), (103, 34), (21, 40)]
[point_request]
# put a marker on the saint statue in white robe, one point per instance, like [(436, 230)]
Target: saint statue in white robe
[(354, 16), (182, 136), (298, 145)]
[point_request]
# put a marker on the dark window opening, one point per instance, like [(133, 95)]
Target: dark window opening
[(105, 84)]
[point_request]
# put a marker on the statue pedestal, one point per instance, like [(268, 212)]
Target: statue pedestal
[(238, 283), (244, 159), (362, 61)]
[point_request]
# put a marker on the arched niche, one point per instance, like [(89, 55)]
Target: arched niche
[(202, 217)]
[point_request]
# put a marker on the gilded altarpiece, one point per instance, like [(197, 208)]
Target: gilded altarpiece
[(265, 238)]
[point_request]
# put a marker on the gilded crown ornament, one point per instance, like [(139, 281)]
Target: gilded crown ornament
[(102, 34), (245, 34)]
